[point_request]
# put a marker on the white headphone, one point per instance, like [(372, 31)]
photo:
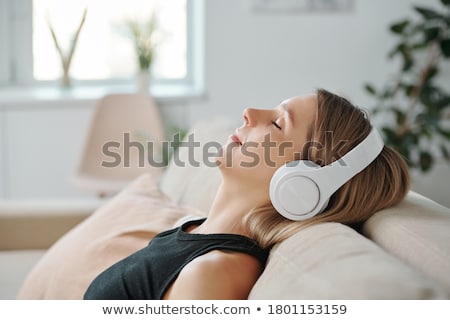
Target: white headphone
[(301, 189)]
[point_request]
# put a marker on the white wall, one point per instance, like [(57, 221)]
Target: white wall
[(43, 145), (259, 59)]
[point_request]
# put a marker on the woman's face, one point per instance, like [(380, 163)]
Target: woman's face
[(268, 139)]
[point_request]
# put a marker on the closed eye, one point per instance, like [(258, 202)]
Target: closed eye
[(276, 125)]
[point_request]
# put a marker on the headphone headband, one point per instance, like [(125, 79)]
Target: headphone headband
[(354, 161), (301, 189)]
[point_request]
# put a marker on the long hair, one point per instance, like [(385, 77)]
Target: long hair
[(384, 183)]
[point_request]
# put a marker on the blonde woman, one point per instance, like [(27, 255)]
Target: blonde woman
[(222, 256)]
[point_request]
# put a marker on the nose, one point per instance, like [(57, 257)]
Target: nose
[(250, 117)]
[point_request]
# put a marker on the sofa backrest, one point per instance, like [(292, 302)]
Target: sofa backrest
[(418, 232), (333, 261)]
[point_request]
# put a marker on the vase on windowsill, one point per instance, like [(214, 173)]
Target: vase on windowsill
[(142, 34), (66, 82), (143, 79)]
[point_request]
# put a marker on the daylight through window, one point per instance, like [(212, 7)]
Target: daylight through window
[(104, 50)]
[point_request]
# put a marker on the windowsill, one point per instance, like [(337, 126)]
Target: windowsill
[(13, 96)]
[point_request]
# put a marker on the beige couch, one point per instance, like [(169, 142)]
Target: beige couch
[(400, 253)]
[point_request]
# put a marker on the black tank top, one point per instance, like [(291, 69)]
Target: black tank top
[(148, 273)]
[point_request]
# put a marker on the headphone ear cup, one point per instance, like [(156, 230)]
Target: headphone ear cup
[(293, 192), (301, 189)]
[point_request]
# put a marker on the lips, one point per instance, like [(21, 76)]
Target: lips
[(235, 139)]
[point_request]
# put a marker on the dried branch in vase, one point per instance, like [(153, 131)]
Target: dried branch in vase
[(66, 57)]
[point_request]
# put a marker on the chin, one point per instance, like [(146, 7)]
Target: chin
[(226, 158)]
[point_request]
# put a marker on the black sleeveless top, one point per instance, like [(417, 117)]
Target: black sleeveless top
[(148, 273)]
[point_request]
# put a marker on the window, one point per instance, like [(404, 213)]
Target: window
[(104, 51)]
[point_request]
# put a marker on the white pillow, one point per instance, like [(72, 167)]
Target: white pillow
[(333, 261), (418, 232)]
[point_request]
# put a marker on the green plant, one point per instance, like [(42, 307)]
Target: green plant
[(142, 35), (163, 150), (415, 102), (176, 136)]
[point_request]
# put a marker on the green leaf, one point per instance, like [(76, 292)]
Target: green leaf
[(429, 119), (445, 2), (400, 116), (443, 103), (410, 139), (429, 96), (425, 131), (406, 155), (370, 89), (425, 161), (434, 99), (445, 47), (390, 136), (399, 27), (417, 28), (433, 71), (431, 33), (419, 45), (405, 51), (445, 152), (402, 144), (443, 132), (428, 14), (408, 62), (388, 92), (409, 89), (439, 100), (398, 48)]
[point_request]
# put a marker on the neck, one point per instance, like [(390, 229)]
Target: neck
[(231, 204)]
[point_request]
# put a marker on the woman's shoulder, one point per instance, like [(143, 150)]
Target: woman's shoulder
[(217, 275), (225, 262)]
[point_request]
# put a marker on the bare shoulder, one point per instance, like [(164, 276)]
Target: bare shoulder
[(216, 275)]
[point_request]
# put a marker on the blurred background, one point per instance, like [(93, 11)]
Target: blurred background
[(202, 59)]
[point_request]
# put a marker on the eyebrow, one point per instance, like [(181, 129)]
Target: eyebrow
[(288, 112)]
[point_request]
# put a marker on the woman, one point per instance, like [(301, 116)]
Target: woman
[(221, 257)]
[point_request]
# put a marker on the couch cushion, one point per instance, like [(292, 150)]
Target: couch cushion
[(191, 177), (417, 231), (332, 261), (14, 267), (120, 227)]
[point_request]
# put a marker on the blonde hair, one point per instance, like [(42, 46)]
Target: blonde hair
[(384, 183)]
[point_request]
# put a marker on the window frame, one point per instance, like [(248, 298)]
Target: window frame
[(4, 36), (16, 63)]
